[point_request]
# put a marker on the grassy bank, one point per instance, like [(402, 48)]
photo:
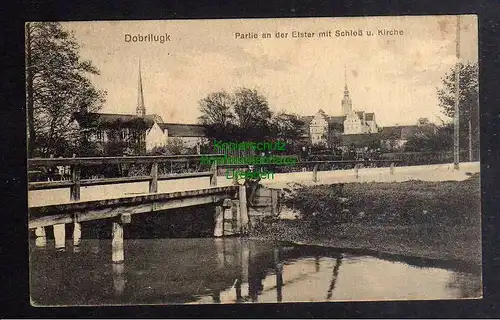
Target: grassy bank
[(439, 220)]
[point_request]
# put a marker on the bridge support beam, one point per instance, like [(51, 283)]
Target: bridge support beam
[(117, 237), (41, 237), (77, 234), (60, 236), (117, 242)]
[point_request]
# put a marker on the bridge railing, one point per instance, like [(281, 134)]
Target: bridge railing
[(321, 165), (76, 182)]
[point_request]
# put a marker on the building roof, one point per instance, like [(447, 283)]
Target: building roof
[(183, 130), (107, 120)]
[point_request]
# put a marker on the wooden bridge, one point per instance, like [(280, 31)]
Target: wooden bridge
[(231, 210), (229, 200)]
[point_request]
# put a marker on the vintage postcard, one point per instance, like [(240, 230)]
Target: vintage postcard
[(253, 160)]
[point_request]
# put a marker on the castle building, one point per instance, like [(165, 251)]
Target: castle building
[(356, 122), (325, 130)]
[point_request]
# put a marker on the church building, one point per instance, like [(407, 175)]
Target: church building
[(135, 134)]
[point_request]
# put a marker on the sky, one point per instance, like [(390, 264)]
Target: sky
[(393, 76)]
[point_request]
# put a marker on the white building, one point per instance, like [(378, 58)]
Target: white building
[(356, 122), (318, 128)]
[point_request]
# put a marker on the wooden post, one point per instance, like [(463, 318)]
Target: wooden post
[(117, 242), (392, 168), (242, 194), (77, 233), (356, 169), (75, 188), (274, 202), (153, 183), (315, 173), (60, 236), (41, 237), (213, 178), (219, 221), (40, 232)]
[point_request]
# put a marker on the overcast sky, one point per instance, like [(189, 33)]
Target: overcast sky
[(394, 76)]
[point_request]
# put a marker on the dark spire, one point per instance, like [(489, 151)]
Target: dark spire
[(346, 90), (346, 101), (141, 109)]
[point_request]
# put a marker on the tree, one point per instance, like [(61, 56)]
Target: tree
[(242, 115), (56, 87), (287, 127), (468, 102), (217, 115), (431, 138), (252, 113)]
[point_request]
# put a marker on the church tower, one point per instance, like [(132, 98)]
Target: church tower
[(141, 109), (346, 101)]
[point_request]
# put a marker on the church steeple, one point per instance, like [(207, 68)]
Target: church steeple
[(346, 101), (141, 109)]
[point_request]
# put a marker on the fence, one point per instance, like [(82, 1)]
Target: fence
[(76, 164), (75, 182), (424, 158)]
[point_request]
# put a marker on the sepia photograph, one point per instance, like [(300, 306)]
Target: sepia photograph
[(249, 161)]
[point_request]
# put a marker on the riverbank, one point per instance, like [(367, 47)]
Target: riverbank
[(437, 220)]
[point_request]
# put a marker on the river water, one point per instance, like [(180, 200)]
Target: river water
[(231, 270)]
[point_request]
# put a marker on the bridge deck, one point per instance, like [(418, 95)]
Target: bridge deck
[(80, 211)]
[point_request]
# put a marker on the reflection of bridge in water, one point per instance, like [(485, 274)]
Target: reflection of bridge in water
[(220, 270), (232, 270)]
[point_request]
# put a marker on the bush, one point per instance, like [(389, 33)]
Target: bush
[(319, 205)]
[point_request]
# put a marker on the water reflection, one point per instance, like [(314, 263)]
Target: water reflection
[(119, 278), (231, 270), (338, 262)]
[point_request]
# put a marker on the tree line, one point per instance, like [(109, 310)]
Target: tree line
[(245, 115)]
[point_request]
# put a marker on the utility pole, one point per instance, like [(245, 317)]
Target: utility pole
[(456, 136)]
